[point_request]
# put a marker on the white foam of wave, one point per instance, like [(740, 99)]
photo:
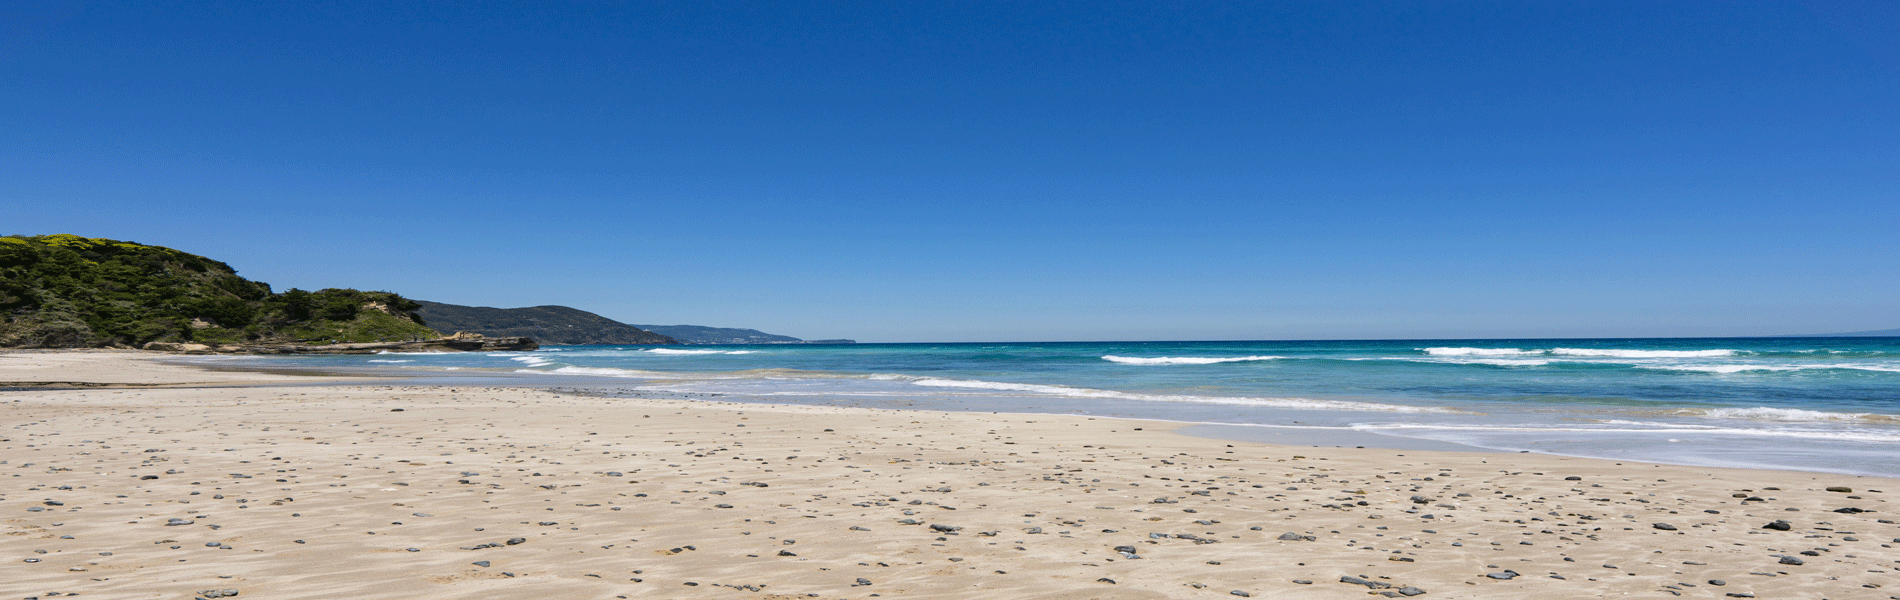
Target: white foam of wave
[(1791, 415), (607, 372), (1812, 434), (1075, 392), (1723, 368), (672, 352), (390, 361), (1479, 351), (1579, 352), (1611, 353), (533, 361), (1742, 368), (1496, 362), (1184, 360)]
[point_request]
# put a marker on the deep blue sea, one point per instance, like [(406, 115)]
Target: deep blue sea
[(1819, 404)]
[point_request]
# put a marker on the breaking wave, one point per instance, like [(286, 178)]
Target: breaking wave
[(1075, 392), (1579, 352), (1183, 360), (1793, 415)]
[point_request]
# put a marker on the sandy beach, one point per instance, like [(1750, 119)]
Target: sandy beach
[(205, 484)]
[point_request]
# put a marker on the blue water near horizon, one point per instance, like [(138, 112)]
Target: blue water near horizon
[(1816, 404)]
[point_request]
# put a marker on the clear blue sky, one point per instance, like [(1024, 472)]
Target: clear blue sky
[(961, 171)]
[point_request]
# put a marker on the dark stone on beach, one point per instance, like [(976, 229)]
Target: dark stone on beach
[(1106, 580), (176, 522), (722, 506), (513, 541), (1503, 575), (1241, 594), (1573, 478), (1717, 582), (480, 563), (1416, 499), (1844, 490), (1810, 553), (1126, 549), (1303, 581), (861, 581), (1377, 585), (786, 553), (1778, 526), (1663, 526), (1849, 511), (1411, 591), (1294, 537), (944, 528), (1789, 560)]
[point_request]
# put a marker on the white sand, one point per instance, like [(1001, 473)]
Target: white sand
[(322, 492)]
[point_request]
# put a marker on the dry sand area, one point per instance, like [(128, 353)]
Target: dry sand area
[(378, 491)]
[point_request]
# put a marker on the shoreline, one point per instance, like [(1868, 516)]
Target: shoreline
[(1271, 433), (376, 489)]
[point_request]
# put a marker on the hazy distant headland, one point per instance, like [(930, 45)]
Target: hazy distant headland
[(1874, 333), (695, 334), (549, 324), (575, 327)]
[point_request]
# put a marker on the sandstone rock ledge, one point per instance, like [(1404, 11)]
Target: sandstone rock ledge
[(460, 342)]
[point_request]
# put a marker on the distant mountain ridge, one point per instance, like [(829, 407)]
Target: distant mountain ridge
[(1874, 333), (696, 334), (559, 325)]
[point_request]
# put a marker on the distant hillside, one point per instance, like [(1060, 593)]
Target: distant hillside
[(546, 324), (1876, 333), (696, 334), (67, 291)]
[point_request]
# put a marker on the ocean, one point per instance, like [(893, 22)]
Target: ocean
[(1814, 404)]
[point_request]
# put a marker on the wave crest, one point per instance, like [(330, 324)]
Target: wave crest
[(1075, 392), (1183, 360), (672, 352)]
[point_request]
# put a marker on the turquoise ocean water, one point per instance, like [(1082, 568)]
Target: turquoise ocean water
[(1819, 404)]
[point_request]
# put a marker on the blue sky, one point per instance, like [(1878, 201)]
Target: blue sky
[(962, 171)]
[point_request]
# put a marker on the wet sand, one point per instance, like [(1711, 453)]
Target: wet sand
[(233, 481)]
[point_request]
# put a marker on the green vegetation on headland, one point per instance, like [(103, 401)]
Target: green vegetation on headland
[(67, 291)]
